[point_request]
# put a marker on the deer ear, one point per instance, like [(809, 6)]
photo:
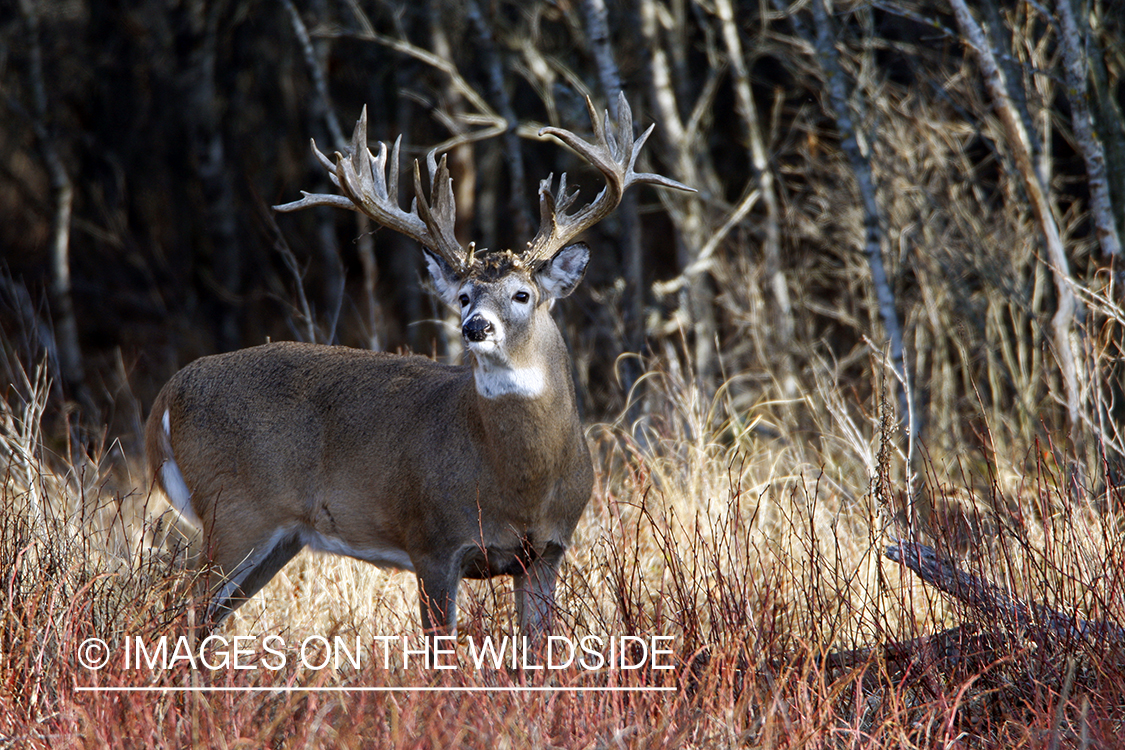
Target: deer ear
[(447, 282), (561, 274)]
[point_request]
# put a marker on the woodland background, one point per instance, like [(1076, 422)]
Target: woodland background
[(885, 334), (860, 193)]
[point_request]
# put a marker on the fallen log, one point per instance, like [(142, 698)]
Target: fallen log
[(994, 602)]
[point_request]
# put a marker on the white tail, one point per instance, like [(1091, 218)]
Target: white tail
[(451, 472)]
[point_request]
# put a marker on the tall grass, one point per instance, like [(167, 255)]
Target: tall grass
[(760, 555)]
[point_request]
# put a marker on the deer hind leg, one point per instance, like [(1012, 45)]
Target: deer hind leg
[(250, 573), (535, 593)]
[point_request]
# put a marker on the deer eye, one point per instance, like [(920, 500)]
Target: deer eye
[(464, 300), (521, 297)]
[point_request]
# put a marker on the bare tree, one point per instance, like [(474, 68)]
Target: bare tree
[(1066, 335), (1106, 108), (204, 114), (1077, 92), (597, 30), (839, 106), (322, 118), (66, 344), (696, 291), (763, 175), (486, 43)]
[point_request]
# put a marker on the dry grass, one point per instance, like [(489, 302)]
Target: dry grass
[(749, 526), (762, 558)]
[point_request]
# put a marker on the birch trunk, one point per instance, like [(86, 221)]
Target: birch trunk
[(205, 138), (1076, 75), (517, 175), (697, 298), (460, 159), (323, 121), (785, 330), (873, 228), (1063, 324), (1109, 121)]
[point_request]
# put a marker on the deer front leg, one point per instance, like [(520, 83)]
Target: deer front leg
[(437, 596), (535, 593)]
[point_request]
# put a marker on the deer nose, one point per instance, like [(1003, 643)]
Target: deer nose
[(476, 328)]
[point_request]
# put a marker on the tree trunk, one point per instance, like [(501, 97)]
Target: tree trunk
[(205, 139), (67, 349), (597, 30), (518, 195), (873, 228), (1109, 124), (698, 298), (1074, 68), (785, 330), (323, 122), (464, 186), (1063, 324)]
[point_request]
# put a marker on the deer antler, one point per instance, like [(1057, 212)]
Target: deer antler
[(614, 153), (366, 187)]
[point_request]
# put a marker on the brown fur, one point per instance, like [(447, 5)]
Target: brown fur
[(377, 451)]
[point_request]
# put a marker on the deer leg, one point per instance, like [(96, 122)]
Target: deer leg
[(251, 574), (437, 596), (535, 593)]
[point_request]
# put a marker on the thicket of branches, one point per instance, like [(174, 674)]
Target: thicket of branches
[(917, 194)]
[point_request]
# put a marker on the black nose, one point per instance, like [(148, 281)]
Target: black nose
[(476, 328)]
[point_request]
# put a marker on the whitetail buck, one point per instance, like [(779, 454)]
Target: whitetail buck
[(447, 471)]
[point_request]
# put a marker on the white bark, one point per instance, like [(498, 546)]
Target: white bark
[(779, 287), (873, 229), (698, 297), (597, 29), (1063, 327)]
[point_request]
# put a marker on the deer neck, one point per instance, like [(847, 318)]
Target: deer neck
[(526, 404), (539, 370)]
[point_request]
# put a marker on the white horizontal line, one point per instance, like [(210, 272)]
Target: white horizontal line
[(362, 689)]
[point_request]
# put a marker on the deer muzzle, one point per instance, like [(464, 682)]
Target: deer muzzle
[(476, 328)]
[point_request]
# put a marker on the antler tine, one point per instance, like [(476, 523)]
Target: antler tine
[(392, 186), (367, 188), (614, 154), (440, 212)]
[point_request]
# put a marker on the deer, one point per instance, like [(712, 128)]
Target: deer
[(448, 471)]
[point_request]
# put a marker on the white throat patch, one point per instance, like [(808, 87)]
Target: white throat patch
[(493, 381)]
